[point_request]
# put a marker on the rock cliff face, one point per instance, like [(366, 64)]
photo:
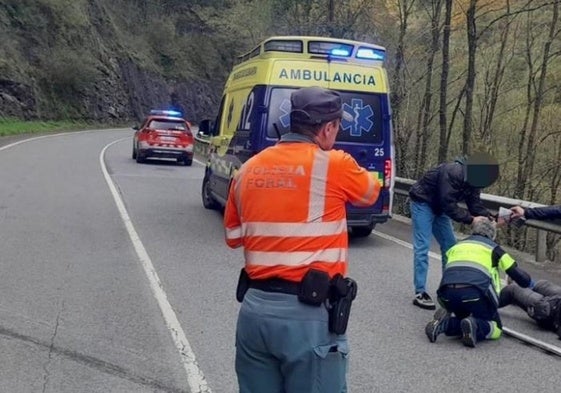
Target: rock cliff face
[(101, 63), (17, 100), (124, 92)]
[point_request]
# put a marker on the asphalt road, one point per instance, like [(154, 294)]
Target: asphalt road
[(81, 311)]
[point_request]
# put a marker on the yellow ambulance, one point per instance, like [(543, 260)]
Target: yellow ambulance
[(255, 112)]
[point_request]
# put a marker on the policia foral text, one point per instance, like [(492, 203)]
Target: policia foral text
[(290, 334)]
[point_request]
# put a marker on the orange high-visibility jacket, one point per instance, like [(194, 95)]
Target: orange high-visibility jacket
[(286, 207)]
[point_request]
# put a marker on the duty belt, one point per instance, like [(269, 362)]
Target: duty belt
[(457, 286), (276, 285)]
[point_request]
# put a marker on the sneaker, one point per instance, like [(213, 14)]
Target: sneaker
[(469, 332), (438, 325), (423, 300)]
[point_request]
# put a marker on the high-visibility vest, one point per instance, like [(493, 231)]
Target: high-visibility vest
[(286, 207), (482, 254)]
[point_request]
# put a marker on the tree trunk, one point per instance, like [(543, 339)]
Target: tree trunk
[(443, 148), (426, 114), (470, 81), (402, 131)]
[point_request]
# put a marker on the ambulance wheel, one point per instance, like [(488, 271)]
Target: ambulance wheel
[(362, 231), (208, 200)]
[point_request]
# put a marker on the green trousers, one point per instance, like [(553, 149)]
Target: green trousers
[(284, 346)]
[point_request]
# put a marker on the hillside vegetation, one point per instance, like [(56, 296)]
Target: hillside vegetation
[(465, 75)]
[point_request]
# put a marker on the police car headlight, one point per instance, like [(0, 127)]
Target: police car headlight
[(189, 148), (143, 145)]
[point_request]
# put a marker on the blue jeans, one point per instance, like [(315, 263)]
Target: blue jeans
[(284, 346), (425, 225)]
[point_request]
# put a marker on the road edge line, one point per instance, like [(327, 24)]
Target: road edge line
[(195, 376)]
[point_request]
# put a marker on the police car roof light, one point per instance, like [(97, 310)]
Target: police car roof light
[(370, 53), (166, 112)]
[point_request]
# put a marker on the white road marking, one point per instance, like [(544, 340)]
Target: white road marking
[(195, 377), (403, 243), (38, 137), (510, 332), (410, 246)]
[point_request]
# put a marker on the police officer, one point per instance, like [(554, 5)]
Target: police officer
[(286, 207), (542, 303), (470, 287)]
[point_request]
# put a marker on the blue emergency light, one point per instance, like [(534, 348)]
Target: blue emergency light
[(163, 112), (340, 52), (370, 53)]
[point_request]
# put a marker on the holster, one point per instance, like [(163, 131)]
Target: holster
[(314, 288), (342, 293), (243, 285)]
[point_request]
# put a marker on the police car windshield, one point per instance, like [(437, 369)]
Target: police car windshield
[(163, 124), (365, 108)]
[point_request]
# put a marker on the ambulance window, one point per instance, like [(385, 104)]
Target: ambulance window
[(366, 109), (279, 112)]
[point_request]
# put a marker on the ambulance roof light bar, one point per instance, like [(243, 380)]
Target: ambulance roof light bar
[(294, 46), (332, 48), (370, 53)]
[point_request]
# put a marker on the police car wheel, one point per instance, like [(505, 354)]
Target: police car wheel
[(140, 158), (133, 153), (188, 162)]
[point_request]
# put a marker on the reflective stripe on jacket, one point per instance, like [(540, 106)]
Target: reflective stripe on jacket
[(286, 207), (483, 257)]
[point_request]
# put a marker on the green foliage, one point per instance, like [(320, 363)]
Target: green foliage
[(68, 72), (10, 126)]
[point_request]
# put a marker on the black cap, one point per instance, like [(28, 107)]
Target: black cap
[(482, 170), (316, 105)]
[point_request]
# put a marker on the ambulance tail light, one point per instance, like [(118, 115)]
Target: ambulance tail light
[(387, 173)]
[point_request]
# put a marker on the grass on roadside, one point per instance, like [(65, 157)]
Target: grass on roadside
[(10, 126)]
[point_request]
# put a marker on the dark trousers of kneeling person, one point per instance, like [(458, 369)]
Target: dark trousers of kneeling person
[(284, 345), (474, 316), (542, 303)]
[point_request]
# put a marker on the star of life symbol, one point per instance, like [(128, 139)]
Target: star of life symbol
[(362, 115)]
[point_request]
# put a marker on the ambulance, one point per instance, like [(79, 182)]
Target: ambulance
[(255, 112)]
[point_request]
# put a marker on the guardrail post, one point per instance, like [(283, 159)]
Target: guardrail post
[(541, 246)]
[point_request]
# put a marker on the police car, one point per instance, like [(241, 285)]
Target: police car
[(163, 134)]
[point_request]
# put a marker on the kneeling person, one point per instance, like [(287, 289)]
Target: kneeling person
[(470, 287), (542, 303)]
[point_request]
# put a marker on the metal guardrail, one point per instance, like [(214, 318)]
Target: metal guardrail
[(493, 202)]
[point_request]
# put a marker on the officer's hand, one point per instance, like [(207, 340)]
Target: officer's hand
[(517, 212)]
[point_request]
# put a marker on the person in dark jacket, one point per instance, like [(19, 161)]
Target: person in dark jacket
[(542, 303), (434, 201), (536, 213), (470, 287)]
